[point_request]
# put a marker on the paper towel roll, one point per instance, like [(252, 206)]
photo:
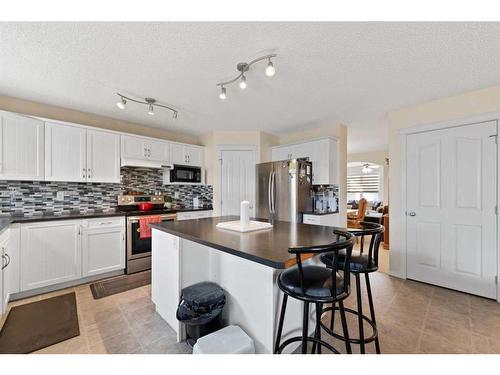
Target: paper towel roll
[(245, 214)]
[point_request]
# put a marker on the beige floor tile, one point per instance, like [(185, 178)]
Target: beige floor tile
[(124, 343), (431, 344), (107, 328), (443, 329), (152, 330), (75, 345), (485, 345), (167, 345)]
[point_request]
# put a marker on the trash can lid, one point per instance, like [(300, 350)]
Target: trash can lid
[(204, 294)]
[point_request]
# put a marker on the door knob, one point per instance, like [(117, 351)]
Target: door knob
[(412, 214)]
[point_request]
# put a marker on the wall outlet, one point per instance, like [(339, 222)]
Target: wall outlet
[(176, 195), (60, 195)]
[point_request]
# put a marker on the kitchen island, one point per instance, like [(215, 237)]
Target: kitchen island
[(246, 265)]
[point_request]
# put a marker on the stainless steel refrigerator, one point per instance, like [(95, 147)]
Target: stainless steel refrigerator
[(283, 190)]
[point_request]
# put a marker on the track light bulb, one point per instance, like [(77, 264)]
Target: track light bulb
[(243, 82), (270, 70), (222, 94), (121, 104), (151, 110)]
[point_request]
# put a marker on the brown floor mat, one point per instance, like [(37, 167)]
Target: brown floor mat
[(120, 284), (39, 324)]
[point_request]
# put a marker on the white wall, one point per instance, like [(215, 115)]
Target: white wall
[(454, 107)]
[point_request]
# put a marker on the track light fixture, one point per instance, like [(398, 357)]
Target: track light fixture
[(222, 94), (150, 102), (245, 67)]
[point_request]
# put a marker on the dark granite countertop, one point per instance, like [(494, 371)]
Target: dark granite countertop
[(5, 221), (268, 247)]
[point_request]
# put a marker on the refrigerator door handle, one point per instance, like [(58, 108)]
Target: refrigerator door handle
[(269, 189), (273, 193)]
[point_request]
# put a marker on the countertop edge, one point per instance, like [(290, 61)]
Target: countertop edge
[(265, 262)]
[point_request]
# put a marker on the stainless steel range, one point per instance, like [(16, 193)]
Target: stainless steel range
[(139, 249)]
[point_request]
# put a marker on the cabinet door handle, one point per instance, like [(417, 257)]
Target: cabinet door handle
[(83, 173), (105, 222), (89, 173)]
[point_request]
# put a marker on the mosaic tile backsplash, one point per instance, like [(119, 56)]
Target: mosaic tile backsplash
[(30, 198)]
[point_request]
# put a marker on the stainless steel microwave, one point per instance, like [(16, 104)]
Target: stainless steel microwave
[(184, 174)]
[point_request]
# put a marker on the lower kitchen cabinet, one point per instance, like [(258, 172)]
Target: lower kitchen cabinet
[(5, 268), (50, 253), (103, 249), (59, 251)]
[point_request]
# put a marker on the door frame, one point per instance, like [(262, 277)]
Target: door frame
[(424, 128), (224, 147)]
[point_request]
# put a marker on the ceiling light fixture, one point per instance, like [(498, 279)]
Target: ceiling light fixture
[(366, 168), (121, 103), (270, 70), (222, 94), (150, 102), (243, 82), (245, 67)]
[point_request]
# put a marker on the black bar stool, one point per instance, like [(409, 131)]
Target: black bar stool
[(319, 285), (360, 263)]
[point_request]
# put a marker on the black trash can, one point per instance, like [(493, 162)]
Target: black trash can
[(200, 309)]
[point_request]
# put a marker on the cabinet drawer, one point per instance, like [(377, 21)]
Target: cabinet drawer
[(312, 219), (105, 222)]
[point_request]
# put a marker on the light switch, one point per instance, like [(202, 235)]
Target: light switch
[(176, 195), (60, 195)]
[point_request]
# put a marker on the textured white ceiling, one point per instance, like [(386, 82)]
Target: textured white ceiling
[(326, 72)]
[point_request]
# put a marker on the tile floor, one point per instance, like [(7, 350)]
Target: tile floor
[(412, 318)]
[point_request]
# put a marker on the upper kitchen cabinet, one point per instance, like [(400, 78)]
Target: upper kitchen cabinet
[(183, 154), (103, 156), (144, 152), (294, 151), (322, 153), (21, 147), (325, 161), (65, 151), (78, 154)]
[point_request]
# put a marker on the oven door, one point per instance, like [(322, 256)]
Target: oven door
[(138, 247), (185, 174)]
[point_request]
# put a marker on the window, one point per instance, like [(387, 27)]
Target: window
[(366, 183)]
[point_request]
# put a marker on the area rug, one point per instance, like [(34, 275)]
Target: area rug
[(120, 284), (39, 324)]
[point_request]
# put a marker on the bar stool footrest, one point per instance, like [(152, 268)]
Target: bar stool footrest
[(352, 340), (309, 339)]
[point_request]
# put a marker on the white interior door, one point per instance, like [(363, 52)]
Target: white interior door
[(451, 199), (237, 180)]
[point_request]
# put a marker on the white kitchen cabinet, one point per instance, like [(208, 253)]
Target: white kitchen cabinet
[(21, 148), (103, 246), (183, 154), (5, 269), (146, 152), (329, 220), (189, 215), (65, 153), (50, 253), (103, 156), (322, 153), (325, 162)]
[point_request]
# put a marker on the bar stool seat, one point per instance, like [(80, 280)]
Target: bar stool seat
[(317, 284), (359, 262)]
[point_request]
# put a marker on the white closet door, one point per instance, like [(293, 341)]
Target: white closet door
[(103, 157), (237, 180), (65, 153), (451, 198)]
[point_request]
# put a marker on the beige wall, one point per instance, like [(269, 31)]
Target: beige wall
[(64, 114), (454, 107), (376, 157)]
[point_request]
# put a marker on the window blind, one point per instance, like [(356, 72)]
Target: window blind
[(366, 183)]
